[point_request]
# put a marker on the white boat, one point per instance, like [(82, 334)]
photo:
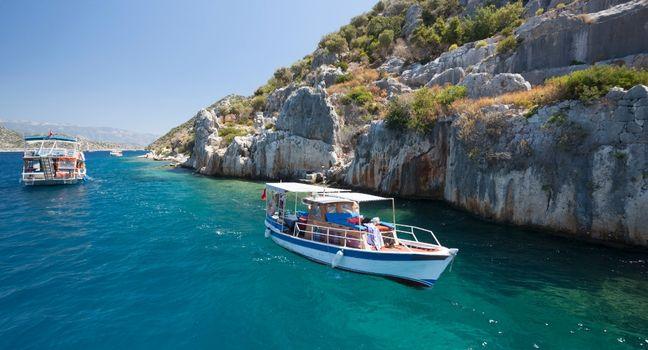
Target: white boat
[(52, 160), (116, 153), (332, 231)]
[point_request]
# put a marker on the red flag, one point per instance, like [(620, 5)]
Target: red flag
[(50, 133), (263, 195)]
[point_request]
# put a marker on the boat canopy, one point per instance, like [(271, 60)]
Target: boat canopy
[(50, 138), (326, 200), (284, 187), (358, 197)]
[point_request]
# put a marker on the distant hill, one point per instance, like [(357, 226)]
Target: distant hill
[(9, 139), (99, 134), (12, 140)]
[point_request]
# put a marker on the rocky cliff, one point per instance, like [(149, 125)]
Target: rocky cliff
[(389, 105)]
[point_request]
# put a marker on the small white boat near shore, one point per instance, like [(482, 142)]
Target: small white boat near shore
[(116, 153), (332, 231)]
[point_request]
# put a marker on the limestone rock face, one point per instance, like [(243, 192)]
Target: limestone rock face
[(571, 167), (322, 57), (393, 65), (413, 18), (392, 86), (277, 98), (575, 168), (300, 145), (449, 76), (483, 84), (206, 139), (308, 113), (558, 41), (326, 75), (468, 55), (387, 161)]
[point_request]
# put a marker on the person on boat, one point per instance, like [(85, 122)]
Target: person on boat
[(374, 236)]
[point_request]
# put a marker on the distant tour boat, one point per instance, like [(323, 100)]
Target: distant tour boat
[(52, 160), (116, 153), (332, 231)]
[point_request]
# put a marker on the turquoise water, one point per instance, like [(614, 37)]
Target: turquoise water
[(149, 257)]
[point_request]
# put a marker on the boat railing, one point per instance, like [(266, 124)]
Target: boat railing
[(57, 152), (412, 231), (330, 235)]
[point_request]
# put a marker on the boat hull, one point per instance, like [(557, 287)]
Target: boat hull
[(51, 182), (422, 269)]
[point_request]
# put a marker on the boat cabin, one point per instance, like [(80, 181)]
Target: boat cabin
[(331, 216)]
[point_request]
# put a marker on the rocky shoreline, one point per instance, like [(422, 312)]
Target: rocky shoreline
[(571, 166)]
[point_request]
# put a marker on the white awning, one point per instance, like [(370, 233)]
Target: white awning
[(358, 197), (300, 187)]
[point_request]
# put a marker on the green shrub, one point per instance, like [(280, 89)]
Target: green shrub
[(453, 32), (335, 43), (539, 11), (425, 37), (343, 78), (507, 45), (379, 24), (378, 7), (593, 83), (558, 119), (259, 102), (481, 43), (489, 20), (228, 133), (453, 47), (359, 95), (421, 110), (433, 9), (343, 65), (301, 68), (449, 94), (386, 38), (561, 6), (397, 114), (349, 32)]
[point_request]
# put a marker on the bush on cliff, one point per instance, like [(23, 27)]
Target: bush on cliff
[(443, 27), (593, 83), (420, 110), (228, 133)]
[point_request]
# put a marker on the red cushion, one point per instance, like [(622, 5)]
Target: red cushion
[(354, 221)]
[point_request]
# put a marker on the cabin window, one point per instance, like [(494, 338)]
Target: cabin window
[(346, 208), (32, 165), (315, 212), (330, 209)]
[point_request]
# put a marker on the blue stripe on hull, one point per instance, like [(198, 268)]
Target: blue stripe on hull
[(424, 283)]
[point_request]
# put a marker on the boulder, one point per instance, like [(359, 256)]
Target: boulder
[(418, 74), (326, 75), (392, 86), (322, 56), (394, 65), (484, 84), (308, 113), (449, 76)]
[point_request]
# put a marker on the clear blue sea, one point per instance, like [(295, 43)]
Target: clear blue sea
[(144, 256)]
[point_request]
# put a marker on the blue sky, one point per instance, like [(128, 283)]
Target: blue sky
[(148, 65)]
